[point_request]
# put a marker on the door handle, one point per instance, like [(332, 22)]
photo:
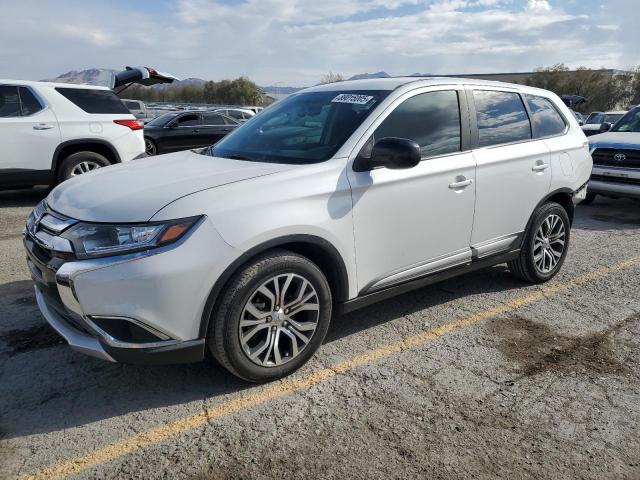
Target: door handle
[(460, 183), (540, 167), (195, 130), (43, 126)]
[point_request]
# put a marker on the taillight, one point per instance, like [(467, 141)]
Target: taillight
[(132, 124)]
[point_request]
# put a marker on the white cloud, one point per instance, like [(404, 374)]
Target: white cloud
[(296, 41)]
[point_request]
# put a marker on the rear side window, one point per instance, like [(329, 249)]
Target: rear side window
[(28, 102), (9, 101), (212, 119), (132, 105), (431, 119), (502, 118), (94, 101), (546, 121)]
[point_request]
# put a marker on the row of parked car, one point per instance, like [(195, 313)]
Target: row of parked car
[(51, 132)]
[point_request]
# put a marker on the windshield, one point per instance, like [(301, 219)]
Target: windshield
[(598, 118), (304, 128), (629, 122), (163, 119)]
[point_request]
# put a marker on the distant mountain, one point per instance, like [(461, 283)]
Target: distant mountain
[(364, 76), (92, 76)]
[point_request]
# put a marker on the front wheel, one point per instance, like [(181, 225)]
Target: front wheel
[(150, 147), (271, 318), (545, 245)]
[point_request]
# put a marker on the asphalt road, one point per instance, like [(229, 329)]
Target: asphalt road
[(482, 376)]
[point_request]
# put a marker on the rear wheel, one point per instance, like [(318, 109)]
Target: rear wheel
[(272, 316), (545, 245), (80, 163)]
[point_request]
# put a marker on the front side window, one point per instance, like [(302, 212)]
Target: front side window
[(94, 100), (545, 119), (502, 118), (629, 123), (431, 119), (9, 101), (189, 120), (303, 128)]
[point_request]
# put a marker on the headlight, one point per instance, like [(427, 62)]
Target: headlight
[(98, 239)]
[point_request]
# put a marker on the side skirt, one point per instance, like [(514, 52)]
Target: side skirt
[(370, 298)]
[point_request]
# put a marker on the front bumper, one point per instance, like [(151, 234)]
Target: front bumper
[(144, 307), (615, 182)]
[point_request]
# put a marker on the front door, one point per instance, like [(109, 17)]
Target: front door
[(409, 223), (182, 133)]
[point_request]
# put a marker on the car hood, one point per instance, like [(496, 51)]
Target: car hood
[(615, 140), (136, 190)]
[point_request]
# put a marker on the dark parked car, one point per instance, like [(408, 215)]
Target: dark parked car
[(175, 131)]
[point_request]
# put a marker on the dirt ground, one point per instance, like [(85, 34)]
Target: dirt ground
[(482, 376)]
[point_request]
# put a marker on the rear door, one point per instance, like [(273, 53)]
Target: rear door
[(214, 127), (513, 169), (29, 131)]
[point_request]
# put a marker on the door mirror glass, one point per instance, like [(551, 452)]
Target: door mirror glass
[(395, 153)]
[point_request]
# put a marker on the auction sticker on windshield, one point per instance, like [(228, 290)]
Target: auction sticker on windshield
[(352, 98)]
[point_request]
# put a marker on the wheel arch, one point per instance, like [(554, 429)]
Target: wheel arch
[(317, 249), (563, 197), (82, 144)]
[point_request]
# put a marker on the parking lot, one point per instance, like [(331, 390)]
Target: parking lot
[(479, 376)]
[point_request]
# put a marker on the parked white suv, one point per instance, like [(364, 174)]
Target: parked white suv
[(50, 132), (335, 197)]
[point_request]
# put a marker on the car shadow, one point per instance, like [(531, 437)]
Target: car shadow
[(46, 387), (28, 197), (608, 214)]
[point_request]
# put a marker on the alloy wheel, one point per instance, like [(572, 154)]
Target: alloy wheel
[(549, 243), (84, 167), (279, 320), (149, 147)]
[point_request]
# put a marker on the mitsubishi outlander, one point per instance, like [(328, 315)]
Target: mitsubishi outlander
[(333, 198)]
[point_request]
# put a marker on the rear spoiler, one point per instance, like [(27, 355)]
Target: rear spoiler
[(572, 100), (140, 75)]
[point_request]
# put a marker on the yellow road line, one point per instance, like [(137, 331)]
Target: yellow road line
[(263, 395)]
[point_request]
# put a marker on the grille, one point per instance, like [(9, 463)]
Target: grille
[(606, 156)]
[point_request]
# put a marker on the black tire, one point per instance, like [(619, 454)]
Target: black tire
[(150, 147), (525, 266), (75, 160), (588, 200), (223, 338)]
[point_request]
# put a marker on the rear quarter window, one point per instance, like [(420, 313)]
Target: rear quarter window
[(545, 118), (94, 101)]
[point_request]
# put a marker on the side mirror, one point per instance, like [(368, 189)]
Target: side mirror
[(605, 127), (395, 153)]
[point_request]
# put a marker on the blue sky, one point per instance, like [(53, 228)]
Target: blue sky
[(294, 42)]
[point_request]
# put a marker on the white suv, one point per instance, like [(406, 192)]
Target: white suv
[(50, 132), (335, 197)]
